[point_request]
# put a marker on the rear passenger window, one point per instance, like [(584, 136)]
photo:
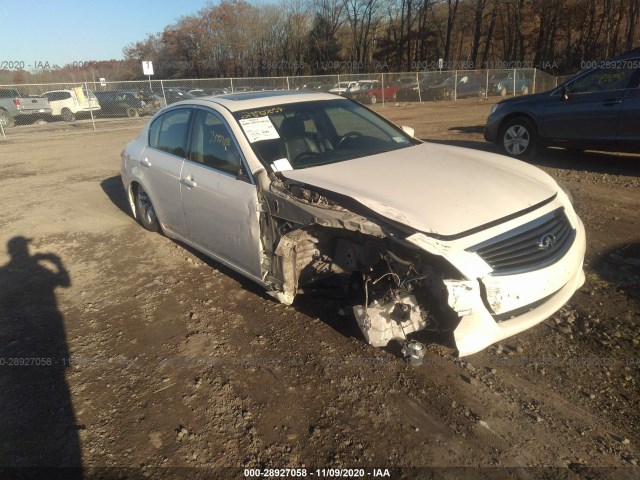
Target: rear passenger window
[(172, 134), (212, 144)]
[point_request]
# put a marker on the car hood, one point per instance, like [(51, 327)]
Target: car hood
[(434, 188)]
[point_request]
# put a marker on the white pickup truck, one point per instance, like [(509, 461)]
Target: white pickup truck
[(14, 106)]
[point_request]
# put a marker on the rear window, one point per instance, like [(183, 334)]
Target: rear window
[(169, 132)]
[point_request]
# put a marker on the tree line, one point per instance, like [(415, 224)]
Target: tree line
[(313, 37)]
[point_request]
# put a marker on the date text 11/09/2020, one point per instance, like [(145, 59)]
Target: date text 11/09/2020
[(319, 472)]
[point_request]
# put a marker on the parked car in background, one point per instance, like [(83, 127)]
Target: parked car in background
[(203, 92), (124, 103), (466, 86), (72, 103), (15, 107), (176, 94), (599, 108), (510, 83), (303, 190), (314, 87), (371, 91), (345, 89), (443, 87)]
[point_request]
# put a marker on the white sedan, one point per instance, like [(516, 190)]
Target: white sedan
[(295, 190)]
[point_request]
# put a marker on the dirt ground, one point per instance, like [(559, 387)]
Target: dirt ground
[(122, 348)]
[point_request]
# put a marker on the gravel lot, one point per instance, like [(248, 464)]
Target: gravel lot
[(163, 358)]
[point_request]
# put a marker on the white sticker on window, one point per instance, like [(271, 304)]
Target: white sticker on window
[(400, 140), (258, 129), (281, 165)]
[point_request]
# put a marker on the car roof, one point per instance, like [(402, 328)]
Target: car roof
[(236, 102)]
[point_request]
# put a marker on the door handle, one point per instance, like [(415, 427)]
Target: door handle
[(611, 102), (188, 181), (145, 162)]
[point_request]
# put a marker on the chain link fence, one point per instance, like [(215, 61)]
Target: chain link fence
[(100, 104)]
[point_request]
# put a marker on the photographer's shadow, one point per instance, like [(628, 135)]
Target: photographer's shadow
[(37, 420)]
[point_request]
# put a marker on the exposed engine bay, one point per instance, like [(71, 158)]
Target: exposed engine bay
[(394, 288)]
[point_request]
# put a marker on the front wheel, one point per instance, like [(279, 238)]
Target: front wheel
[(503, 92), (519, 138), (525, 90), (145, 212), (373, 99), (132, 112)]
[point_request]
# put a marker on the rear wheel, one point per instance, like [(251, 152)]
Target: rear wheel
[(6, 120), (67, 115), (132, 112), (373, 99), (503, 92), (518, 138), (525, 90), (145, 212)]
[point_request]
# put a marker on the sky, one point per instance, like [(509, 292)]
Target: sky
[(67, 31)]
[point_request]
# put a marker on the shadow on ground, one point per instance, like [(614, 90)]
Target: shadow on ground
[(581, 161), (37, 419), (621, 267)]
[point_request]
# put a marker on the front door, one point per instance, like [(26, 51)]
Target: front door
[(220, 208), (591, 112)]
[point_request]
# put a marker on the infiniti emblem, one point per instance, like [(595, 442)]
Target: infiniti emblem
[(547, 242)]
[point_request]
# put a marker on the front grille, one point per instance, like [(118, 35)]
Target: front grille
[(532, 246)]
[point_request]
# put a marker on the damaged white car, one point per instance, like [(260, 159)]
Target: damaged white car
[(296, 190)]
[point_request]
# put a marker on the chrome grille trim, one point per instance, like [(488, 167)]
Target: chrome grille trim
[(522, 249)]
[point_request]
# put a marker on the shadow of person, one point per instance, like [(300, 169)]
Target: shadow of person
[(37, 421)]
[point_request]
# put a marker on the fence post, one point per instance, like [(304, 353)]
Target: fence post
[(288, 88), (514, 82), (382, 89), (231, 80), (418, 84), (533, 89), (455, 87), (486, 92), (93, 122), (163, 95)]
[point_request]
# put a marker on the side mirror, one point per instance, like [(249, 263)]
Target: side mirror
[(564, 93), (409, 131), (242, 175)]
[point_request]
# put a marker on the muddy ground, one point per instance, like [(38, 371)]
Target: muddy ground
[(141, 353)]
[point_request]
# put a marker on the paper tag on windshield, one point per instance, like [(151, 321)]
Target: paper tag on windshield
[(258, 129), (281, 165)]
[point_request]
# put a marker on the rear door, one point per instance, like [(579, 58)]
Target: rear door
[(591, 112), (220, 208), (161, 164), (629, 123)]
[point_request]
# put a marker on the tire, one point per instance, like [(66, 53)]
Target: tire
[(525, 90), (503, 91), (519, 138), (373, 99), (482, 94), (132, 112), (67, 115), (6, 120), (395, 96), (145, 213)]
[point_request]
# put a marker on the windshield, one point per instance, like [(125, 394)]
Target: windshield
[(307, 134)]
